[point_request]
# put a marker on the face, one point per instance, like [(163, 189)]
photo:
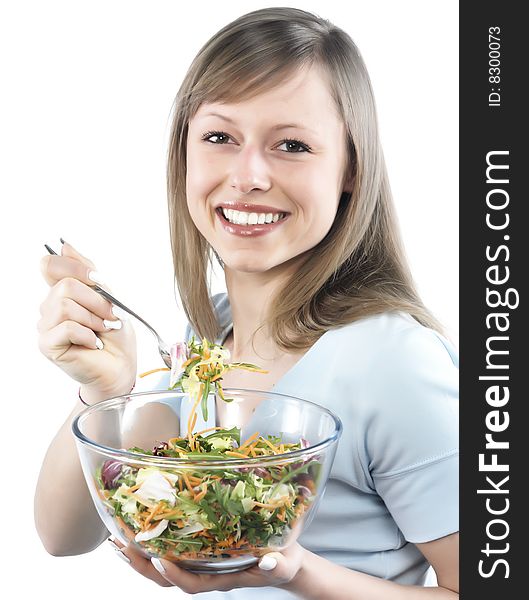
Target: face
[(263, 193)]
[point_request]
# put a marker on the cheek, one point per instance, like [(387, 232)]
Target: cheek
[(196, 176), (199, 187)]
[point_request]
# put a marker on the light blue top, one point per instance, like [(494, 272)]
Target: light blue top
[(394, 480)]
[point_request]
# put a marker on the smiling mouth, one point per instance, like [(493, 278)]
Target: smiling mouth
[(249, 219)]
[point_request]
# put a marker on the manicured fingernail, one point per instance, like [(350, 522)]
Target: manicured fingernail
[(112, 324), (96, 277), (267, 563), (157, 564), (119, 313), (99, 344), (113, 544), (123, 556)]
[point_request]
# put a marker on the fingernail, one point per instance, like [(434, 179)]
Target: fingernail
[(113, 544), (123, 556), (157, 564), (119, 313), (267, 563), (99, 344), (112, 324), (96, 277)]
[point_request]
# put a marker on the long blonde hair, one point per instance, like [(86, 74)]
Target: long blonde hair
[(359, 269)]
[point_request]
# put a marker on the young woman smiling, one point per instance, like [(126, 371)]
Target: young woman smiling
[(275, 169)]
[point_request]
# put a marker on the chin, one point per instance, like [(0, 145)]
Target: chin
[(246, 262), (247, 267)]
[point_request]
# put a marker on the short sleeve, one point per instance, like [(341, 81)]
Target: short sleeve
[(188, 332), (412, 435)]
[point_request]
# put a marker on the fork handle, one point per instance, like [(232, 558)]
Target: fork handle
[(115, 301)]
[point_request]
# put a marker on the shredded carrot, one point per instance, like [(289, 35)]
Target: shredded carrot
[(152, 513), (253, 444), (153, 371), (269, 443), (201, 494), (167, 515), (189, 361), (194, 422), (236, 454), (264, 505), (192, 413), (205, 430), (188, 484), (249, 440)]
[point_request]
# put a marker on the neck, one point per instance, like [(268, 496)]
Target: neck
[(250, 298)]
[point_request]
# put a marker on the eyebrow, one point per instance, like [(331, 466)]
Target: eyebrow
[(275, 128)]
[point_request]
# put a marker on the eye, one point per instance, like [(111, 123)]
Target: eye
[(302, 147), (213, 134)]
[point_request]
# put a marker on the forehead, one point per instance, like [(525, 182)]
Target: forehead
[(301, 100)]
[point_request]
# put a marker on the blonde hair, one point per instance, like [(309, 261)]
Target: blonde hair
[(359, 269)]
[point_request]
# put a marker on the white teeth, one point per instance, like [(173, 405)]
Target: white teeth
[(244, 218), (241, 217)]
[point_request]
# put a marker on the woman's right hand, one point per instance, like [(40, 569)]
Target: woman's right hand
[(72, 332)]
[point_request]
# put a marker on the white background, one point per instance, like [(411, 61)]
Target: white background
[(87, 90)]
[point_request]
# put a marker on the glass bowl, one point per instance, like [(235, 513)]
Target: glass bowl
[(207, 515)]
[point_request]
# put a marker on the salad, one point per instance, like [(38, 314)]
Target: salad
[(200, 513)]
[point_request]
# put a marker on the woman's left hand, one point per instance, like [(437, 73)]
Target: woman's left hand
[(287, 564)]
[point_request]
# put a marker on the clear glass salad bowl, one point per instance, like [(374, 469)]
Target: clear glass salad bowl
[(182, 498)]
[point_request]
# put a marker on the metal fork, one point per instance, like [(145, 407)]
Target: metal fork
[(163, 348)]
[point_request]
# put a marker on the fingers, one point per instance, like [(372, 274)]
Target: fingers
[(71, 300), (69, 251), (139, 563), (274, 568), (70, 263), (54, 268), (55, 342)]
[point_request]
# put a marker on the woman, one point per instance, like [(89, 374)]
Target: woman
[(275, 168)]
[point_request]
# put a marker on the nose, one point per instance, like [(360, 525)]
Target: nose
[(250, 171)]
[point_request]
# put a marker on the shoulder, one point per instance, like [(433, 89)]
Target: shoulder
[(389, 343), (406, 392), (397, 381)]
